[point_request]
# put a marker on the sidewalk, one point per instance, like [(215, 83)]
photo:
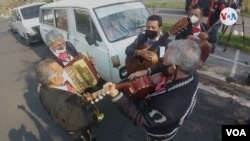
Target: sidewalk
[(227, 71)]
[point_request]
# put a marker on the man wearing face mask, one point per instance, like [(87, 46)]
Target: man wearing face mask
[(63, 52), (196, 29), (59, 50), (165, 111), (65, 107), (151, 35)]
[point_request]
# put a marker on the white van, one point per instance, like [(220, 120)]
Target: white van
[(102, 28), (25, 21)]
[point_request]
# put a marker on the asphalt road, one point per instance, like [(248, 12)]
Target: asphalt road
[(23, 118)]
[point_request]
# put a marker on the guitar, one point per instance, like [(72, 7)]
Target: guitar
[(136, 89), (136, 63), (206, 46)]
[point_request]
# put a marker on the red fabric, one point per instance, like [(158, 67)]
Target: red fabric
[(63, 56), (210, 12), (69, 87), (161, 86), (195, 1), (196, 29), (222, 6)]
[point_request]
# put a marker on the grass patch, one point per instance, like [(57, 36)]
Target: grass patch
[(174, 5), (235, 41)]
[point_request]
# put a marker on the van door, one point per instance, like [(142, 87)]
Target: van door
[(84, 29)]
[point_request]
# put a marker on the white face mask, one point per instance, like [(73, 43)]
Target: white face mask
[(61, 50), (194, 19)]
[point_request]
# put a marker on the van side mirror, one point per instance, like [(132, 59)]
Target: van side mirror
[(91, 40)]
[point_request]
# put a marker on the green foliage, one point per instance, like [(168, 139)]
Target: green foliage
[(236, 41), (175, 5)]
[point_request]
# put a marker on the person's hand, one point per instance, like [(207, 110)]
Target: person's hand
[(203, 36), (145, 53), (109, 87), (137, 74)]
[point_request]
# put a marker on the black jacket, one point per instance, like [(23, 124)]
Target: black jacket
[(204, 28), (163, 112), (140, 40), (66, 109), (69, 48)]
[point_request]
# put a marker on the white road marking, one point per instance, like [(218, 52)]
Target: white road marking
[(213, 90), (235, 64), (229, 60)]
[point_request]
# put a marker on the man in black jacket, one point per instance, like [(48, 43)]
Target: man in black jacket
[(59, 50), (165, 111), (196, 29), (151, 35), (63, 52), (65, 107)]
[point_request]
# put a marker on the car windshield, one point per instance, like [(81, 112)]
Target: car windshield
[(30, 12), (123, 20)]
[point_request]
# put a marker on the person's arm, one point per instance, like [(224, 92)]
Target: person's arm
[(146, 117), (72, 116), (131, 49)]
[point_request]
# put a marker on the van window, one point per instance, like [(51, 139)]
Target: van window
[(30, 12), (47, 17), (61, 19), (121, 21), (85, 25)]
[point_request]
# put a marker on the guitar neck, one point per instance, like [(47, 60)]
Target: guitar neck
[(211, 28), (96, 96)]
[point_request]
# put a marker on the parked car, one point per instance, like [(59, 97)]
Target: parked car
[(103, 29), (25, 21)]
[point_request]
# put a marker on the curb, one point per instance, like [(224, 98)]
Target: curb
[(220, 82)]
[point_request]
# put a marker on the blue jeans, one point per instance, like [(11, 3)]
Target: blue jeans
[(215, 30)]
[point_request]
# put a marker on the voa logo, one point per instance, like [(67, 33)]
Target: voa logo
[(236, 132), (228, 16)]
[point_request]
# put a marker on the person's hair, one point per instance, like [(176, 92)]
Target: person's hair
[(197, 7), (185, 54), (52, 35), (155, 18), (44, 72)]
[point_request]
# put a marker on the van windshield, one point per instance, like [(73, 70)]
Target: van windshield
[(122, 20), (30, 12)]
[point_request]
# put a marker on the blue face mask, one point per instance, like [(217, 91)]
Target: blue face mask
[(150, 34)]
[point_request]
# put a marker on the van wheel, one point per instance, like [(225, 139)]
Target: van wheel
[(27, 40)]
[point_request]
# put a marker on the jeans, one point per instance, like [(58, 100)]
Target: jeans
[(215, 30)]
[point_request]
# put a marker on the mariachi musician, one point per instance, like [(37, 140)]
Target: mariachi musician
[(164, 111), (64, 52), (151, 35), (65, 107), (198, 31)]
